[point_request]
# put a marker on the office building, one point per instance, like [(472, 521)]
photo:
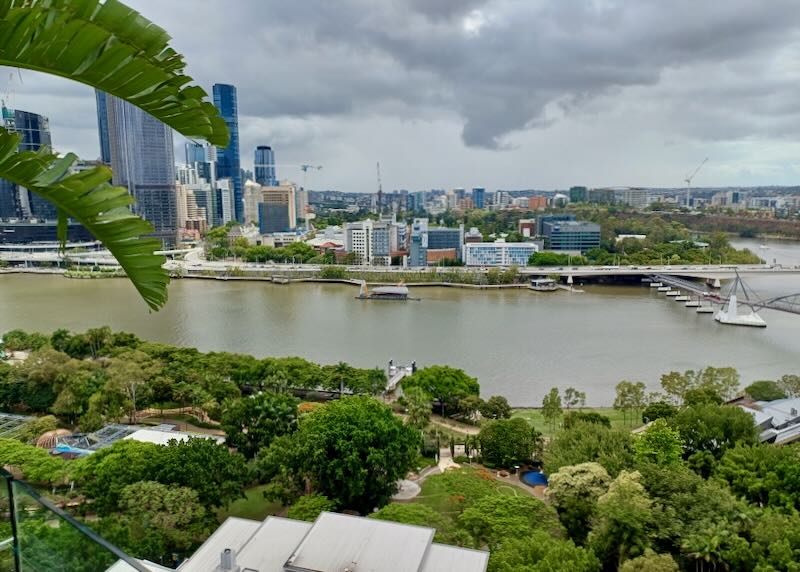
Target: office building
[(143, 161), (600, 196), (440, 238), (473, 235), (301, 205), (572, 235), (373, 242), (578, 194), (541, 219), (265, 166), (498, 253), (478, 197), (228, 159), (16, 202), (102, 127), (425, 240), (195, 153), (26, 232), (418, 243), (273, 209)]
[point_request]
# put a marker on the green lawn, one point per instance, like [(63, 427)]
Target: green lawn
[(254, 506), (449, 493), (617, 420)]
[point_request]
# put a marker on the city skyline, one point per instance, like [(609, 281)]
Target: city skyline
[(645, 99)]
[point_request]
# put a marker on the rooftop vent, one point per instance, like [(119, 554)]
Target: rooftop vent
[(227, 561)]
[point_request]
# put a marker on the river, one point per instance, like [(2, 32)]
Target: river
[(516, 342)]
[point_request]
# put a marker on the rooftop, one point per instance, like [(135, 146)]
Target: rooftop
[(333, 543)]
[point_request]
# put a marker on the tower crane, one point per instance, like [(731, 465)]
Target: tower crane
[(688, 181), (380, 190)]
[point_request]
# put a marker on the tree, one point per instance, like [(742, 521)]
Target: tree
[(446, 385), (658, 410), (418, 408), (574, 398), (701, 396), (507, 442), (790, 384), (590, 442), (676, 384), (206, 466), (659, 444), (574, 491), (573, 417), (37, 465), (650, 562), (251, 423), (309, 507), (551, 407), (106, 43), (540, 552), (623, 516), (469, 406), (128, 374), (352, 450), (763, 474), (630, 398), (494, 518), (496, 407), (713, 428), (765, 390), (158, 521)]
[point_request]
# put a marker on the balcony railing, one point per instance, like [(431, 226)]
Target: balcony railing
[(37, 536)]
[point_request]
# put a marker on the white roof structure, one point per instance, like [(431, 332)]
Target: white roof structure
[(161, 437), (778, 420), (333, 543)]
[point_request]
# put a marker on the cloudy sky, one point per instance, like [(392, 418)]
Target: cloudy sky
[(497, 93)]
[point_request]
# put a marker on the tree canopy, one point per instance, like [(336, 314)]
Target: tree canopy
[(445, 384)]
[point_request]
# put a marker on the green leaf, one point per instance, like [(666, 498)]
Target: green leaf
[(88, 198), (113, 48)]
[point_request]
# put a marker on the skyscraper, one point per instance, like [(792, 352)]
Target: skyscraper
[(265, 166), (478, 197), (228, 161), (143, 161), (102, 127), (195, 153), (35, 132)]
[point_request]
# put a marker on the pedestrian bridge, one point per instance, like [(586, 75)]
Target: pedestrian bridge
[(720, 271)]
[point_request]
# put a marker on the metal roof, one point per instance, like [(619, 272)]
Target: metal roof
[(234, 533), (441, 558), (340, 543), (160, 437), (272, 544)]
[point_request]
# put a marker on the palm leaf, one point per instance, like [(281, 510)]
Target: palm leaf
[(113, 48), (88, 198)]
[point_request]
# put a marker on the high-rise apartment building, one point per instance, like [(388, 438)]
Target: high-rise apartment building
[(16, 202), (143, 161), (228, 159), (265, 166)]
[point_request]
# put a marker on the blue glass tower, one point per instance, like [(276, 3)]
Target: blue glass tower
[(478, 194), (102, 127), (228, 161), (35, 132), (195, 153), (265, 166)]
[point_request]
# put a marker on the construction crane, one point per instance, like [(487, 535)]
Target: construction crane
[(688, 181), (305, 167), (380, 190)]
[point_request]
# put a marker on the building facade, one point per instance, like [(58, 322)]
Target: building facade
[(478, 197), (636, 198), (228, 158), (578, 194), (265, 166), (541, 219), (273, 209), (499, 253), (102, 127), (16, 202), (572, 235), (143, 161)]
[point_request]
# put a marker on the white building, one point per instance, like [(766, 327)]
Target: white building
[(498, 253)]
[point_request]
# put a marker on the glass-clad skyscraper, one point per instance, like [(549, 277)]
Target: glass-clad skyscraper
[(143, 161), (265, 166), (35, 131), (228, 160), (102, 127)]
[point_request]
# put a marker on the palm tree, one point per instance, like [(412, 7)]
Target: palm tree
[(113, 48)]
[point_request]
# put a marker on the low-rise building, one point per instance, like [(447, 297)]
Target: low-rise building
[(777, 421), (499, 253), (572, 235)]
